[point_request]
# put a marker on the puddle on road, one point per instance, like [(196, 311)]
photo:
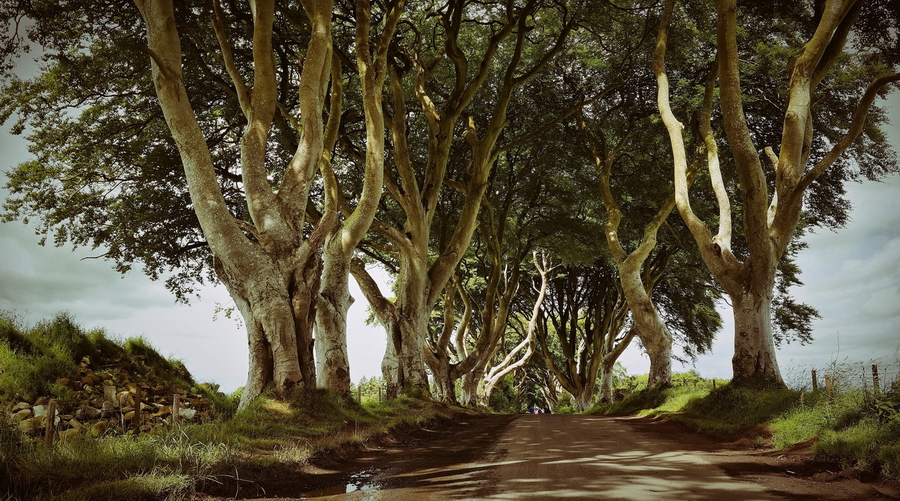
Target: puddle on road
[(358, 482)]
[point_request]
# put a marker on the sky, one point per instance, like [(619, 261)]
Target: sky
[(851, 276)]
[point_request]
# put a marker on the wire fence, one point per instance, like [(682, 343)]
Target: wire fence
[(877, 374)]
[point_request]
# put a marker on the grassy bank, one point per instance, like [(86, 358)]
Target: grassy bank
[(163, 458), (173, 463), (855, 426)]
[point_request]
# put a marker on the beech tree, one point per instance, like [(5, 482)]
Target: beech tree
[(194, 146), (455, 52), (526, 204), (340, 244), (777, 175), (262, 263), (585, 313)]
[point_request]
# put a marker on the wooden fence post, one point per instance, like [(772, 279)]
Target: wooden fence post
[(176, 400), (875, 381), (815, 381), (51, 423), (136, 420), (829, 389), (714, 384)]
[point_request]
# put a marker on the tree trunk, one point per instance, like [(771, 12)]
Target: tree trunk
[(302, 288), (659, 349), (583, 399), (412, 356), (444, 382), (331, 323), (754, 348), (390, 367), (333, 367), (650, 328), (267, 307), (468, 395), (606, 381), (413, 312)]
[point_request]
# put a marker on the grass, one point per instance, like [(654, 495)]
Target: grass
[(170, 464), (856, 427)]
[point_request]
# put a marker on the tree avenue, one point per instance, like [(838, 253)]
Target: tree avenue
[(508, 161)]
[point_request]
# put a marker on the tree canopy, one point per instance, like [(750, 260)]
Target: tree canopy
[(278, 147)]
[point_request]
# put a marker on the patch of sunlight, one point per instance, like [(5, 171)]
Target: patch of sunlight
[(277, 407), (622, 455)]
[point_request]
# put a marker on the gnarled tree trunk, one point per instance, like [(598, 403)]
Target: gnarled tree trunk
[(268, 273)]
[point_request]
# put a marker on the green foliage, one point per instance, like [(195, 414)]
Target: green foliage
[(742, 407), (505, 399), (857, 445), (157, 367), (152, 487), (369, 390), (30, 362), (664, 400)]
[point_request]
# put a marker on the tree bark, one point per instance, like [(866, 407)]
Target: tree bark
[(754, 346), (606, 394)]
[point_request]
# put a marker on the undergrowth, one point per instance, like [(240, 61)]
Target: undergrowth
[(33, 359)]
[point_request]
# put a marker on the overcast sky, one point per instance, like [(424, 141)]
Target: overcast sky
[(852, 277)]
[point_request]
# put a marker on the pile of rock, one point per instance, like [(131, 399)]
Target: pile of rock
[(110, 402)]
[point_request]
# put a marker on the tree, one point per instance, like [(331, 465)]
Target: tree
[(261, 265), (521, 353), (584, 308), (770, 218), (439, 69), (196, 148), (340, 244)]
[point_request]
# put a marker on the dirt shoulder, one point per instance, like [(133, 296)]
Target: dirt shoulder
[(793, 472)]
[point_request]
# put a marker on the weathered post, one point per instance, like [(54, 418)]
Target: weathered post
[(815, 381), (136, 420), (176, 401), (51, 423), (109, 394), (714, 383), (829, 389), (875, 381)]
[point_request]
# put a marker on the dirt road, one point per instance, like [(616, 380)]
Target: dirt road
[(564, 457)]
